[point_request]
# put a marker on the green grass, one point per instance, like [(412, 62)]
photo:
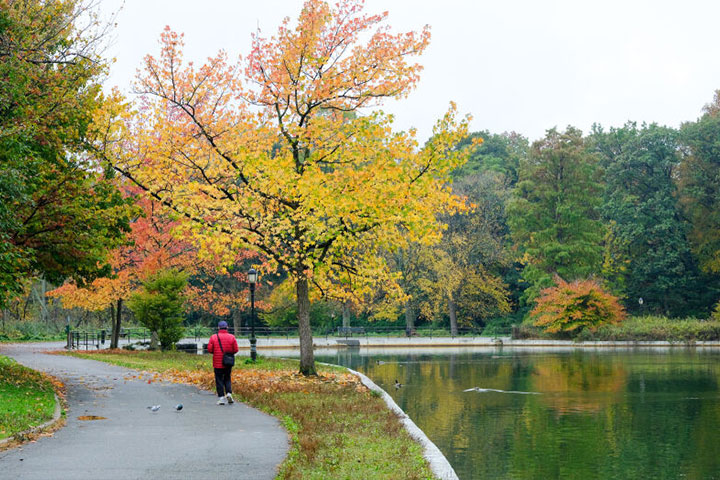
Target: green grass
[(637, 329), (28, 331), (650, 328), (164, 361), (339, 429), (27, 398)]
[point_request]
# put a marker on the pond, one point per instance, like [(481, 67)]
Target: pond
[(549, 413)]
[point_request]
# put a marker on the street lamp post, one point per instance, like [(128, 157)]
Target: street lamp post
[(252, 280)]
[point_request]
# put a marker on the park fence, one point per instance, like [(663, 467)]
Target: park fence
[(95, 339)]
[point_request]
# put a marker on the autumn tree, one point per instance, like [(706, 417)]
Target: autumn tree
[(152, 247), (571, 307), (59, 212), (274, 163), (465, 268)]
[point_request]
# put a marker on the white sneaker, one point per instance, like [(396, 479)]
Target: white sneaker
[(221, 401), (230, 398)]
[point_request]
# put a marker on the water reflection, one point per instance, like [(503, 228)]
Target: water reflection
[(601, 414)]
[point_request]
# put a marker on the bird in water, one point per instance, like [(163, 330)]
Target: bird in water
[(398, 384), (154, 408), (178, 407)]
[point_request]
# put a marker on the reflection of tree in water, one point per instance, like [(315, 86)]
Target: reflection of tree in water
[(433, 396), (610, 415), (646, 427), (579, 382)]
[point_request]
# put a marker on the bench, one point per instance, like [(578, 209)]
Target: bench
[(350, 331)]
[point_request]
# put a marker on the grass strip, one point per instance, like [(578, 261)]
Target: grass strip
[(654, 328), (27, 398), (339, 428)]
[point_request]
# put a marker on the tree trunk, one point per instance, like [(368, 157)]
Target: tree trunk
[(453, 316), (154, 341), (307, 358), (237, 321), (116, 324), (346, 314), (409, 319), (39, 293)]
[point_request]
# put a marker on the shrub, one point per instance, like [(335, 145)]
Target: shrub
[(715, 315), (160, 306), (653, 328), (572, 307)]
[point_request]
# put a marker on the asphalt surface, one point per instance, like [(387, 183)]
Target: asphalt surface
[(203, 440)]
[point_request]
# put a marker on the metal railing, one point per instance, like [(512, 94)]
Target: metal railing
[(88, 339), (76, 339), (371, 330)]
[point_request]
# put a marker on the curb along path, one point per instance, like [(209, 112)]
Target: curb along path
[(39, 428), (438, 463), (131, 442)]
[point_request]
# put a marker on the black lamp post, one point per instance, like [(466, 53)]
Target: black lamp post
[(252, 280)]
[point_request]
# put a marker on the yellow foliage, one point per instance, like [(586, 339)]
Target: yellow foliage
[(318, 192)]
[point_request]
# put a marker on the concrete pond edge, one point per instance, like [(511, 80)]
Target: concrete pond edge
[(438, 463), (39, 428)]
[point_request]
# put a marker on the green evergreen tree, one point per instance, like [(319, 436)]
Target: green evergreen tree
[(554, 212)]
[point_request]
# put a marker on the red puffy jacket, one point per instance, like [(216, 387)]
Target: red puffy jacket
[(229, 345)]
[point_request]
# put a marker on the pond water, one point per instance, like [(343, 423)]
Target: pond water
[(570, 414)]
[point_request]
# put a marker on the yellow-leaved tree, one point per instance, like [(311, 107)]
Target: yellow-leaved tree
[(275, 154)]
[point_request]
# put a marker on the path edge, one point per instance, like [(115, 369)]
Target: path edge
[(438, 463), (39, 428)]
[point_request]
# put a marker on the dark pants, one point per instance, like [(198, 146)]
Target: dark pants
[(222, 381)]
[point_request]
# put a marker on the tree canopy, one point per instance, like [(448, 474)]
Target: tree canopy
[(59, 213), (272, 161), (641, 201)]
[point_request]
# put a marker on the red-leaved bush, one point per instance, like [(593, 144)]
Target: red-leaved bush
[(571, 307)]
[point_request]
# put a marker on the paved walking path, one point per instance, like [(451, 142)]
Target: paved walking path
[(201, 441)]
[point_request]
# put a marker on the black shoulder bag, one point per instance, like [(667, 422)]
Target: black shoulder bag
[(228, 358)]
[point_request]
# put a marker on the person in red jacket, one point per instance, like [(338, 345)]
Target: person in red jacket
[(222, 373)]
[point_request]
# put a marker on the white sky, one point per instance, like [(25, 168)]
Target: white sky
[(515, 65)]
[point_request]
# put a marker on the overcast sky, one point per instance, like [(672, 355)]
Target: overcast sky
[(515, 65)]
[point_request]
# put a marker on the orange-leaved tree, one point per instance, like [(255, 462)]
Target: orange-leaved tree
[(274, 154), (573, 306), (151, 247)]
